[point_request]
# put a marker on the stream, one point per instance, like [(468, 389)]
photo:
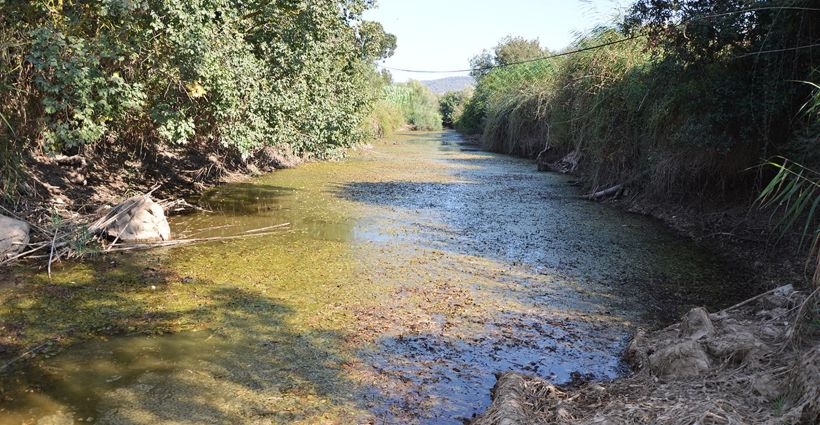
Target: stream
[(392, 287)]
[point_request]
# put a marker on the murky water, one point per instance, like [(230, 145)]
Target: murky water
[(393, 285)]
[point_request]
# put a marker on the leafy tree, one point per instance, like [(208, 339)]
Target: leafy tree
[(508, 51), (239, 75), (512, 50), (452, 104), (375, 42), (481, 64)]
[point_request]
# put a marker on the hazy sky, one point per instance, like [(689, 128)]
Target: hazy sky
[(444, 34)]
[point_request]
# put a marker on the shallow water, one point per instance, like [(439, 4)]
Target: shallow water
[(406, 276)]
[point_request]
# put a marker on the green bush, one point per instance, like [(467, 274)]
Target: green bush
[(452, 104), (419, 106), (677, 116), (211, 72), (385, 119)]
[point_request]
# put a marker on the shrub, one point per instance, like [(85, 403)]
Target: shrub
[(681, 113), (418, 105), (211, 72), (452, 104)]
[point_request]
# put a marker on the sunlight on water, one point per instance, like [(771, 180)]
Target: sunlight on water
[(388, 287)]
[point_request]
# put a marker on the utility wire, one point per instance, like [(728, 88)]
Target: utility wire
[(486, 68), (598, 46)]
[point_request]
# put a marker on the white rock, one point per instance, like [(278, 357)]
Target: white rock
[(696, 324), (136, 219), (14, 236)]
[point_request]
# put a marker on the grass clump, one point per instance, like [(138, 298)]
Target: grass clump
[(680, 116)]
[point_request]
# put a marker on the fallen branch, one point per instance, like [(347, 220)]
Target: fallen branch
[(23, 254), (178, 242), (24, 355), (801, 312), (262, 229), (51, 256), (606, 192), (750, 300), (180, 204)]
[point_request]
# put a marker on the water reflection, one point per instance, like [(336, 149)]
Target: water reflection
[(399, 282)]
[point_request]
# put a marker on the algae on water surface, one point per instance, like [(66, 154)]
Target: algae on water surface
[(407, 276)]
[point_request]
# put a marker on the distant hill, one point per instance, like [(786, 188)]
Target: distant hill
[(443, 85)]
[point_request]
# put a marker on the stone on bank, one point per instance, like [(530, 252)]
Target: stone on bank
[(14, 236)]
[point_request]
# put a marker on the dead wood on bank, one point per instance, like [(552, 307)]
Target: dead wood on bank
[(80, 236), (762, 366)]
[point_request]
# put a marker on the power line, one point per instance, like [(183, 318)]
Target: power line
[(598, 46), (486, 68), (787, 49)]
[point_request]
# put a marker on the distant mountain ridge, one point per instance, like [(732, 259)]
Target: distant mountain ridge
[(444, 85)]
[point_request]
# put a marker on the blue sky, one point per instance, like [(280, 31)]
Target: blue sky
[(444, 34)]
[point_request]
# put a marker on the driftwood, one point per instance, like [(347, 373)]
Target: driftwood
[(262, 229), (59, 240), (614, 190), (178, 242), (606, 192)]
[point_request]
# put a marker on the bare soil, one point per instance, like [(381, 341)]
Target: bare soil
[(94, 178)]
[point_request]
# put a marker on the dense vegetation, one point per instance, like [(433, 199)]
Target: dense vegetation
[(698, 92), (416, 104), (215, 74), (452, 104)]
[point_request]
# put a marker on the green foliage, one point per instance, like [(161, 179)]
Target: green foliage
[(795, 190), (374, 42), (681, 118), (508, 51), (498, 89), (385, 119), (418, 105), (452, 104), (212, 72), (517, 49)]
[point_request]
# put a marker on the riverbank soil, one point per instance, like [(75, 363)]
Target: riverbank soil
[(71, 186), (758, 362)]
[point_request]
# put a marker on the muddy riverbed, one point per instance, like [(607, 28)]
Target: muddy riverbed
[(406, 276)]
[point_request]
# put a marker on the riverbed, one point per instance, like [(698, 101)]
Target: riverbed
[(385, 288)]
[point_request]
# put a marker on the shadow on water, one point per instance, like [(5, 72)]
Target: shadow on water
[(245, 199), (403, 281), (252, 366), (501, 208)]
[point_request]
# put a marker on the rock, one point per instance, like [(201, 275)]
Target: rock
[(136, 219), (635, 354), (779, 298), (14, 236), (58, 418), (682, 360), (696, 325), (71, 161), (276, 157), (784, 291), (738, 345), (766, 385)]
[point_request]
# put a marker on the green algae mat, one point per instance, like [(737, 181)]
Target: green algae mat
[(394, 285)]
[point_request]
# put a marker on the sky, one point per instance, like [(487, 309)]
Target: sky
[(444, 34)]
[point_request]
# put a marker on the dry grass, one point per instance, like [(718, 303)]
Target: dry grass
[(776, 382)]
